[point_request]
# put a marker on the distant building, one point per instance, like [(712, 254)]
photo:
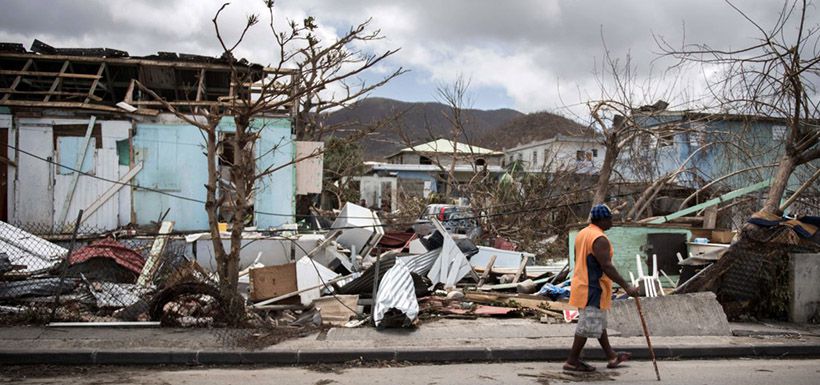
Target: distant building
[(444, 152), (422, 169), (715, 145), (561, 153)]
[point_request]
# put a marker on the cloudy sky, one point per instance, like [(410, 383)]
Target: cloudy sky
[(526, 55)]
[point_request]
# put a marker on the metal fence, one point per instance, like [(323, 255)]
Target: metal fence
[(48, 276)]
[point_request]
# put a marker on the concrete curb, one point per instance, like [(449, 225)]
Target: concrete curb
[(314, 356)]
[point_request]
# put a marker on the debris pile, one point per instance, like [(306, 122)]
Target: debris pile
[(750, 278), (355, 274)]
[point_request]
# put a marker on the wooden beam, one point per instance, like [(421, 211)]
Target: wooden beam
[(152, 263), (111, 191), (39, 103), (17, 80), (48, 74), (56, 82), (78, 167), (487, 271), (521, 268), (95, 82), (49, 93), (723, 198), (200, 88), (139, 61)]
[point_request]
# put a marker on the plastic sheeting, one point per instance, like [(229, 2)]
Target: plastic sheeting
[(396, 291)]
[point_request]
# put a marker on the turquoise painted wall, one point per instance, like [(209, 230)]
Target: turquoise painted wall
[(627, 242), (174, 161)]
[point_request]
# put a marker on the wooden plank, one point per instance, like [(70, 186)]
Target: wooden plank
[(49, 74), (95, 82), (200, 88), (505, 286), (521, 269), (40, 103), (49, 94), (723, 198), (487, 271), (78, 165), (527, 301), (112, 191), (136, 62), (155, 254), (56, 82), (17, 79)]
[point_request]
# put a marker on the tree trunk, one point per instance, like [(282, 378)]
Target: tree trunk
[(211, 207), (602, 186), (779, 183)]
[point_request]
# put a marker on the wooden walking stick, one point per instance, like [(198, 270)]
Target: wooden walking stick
[(648, 342)]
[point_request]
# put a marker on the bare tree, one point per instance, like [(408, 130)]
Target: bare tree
[(300, 85), (774, 77)]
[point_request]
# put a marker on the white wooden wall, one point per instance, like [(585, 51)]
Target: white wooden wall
[(39, 193)]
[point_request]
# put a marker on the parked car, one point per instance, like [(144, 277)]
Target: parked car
[(455, 219)]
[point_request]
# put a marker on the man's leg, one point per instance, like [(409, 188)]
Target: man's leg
[(575, 353), (614, 359), (604, 341)]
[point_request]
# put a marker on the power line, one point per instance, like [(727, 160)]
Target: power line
[(475, 217), (182, 197)]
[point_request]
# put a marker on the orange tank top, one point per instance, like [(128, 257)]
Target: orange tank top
[(579, 289)]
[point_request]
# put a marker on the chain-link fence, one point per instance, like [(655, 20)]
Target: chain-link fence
[(48, 275)]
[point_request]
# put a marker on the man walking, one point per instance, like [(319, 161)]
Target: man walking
[(591, 290)]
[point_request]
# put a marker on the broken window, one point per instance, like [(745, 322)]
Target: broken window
[(68, 140), (68, 152), (124, 152), (778, 132), (227, 187), (580, 155), (594, 152)]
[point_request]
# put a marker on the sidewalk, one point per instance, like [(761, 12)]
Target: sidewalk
[(450, 340)]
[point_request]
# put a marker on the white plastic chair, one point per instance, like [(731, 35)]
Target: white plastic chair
[(652, 283)]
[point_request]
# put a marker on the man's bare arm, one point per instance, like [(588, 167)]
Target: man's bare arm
[(601, 252)]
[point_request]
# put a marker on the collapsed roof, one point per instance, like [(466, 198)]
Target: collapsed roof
[(99, 78)]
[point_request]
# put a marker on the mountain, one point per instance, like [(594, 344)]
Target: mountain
[(417, 122), (530, 127), (424, 121)]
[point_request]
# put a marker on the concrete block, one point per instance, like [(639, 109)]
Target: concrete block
[(694, 314), (804, 287)]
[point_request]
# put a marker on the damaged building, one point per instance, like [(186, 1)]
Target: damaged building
[(63, 110)]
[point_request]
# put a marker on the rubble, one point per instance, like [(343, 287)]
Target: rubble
[(352, 275)]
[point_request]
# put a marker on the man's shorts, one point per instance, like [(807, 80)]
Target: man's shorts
[(591, 322)]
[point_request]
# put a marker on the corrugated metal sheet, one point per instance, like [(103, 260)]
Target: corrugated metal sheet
[(396, 291), (420, 264), (23, 248), (451, 265)]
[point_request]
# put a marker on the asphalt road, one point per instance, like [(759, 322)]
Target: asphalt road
[(724, 372)]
